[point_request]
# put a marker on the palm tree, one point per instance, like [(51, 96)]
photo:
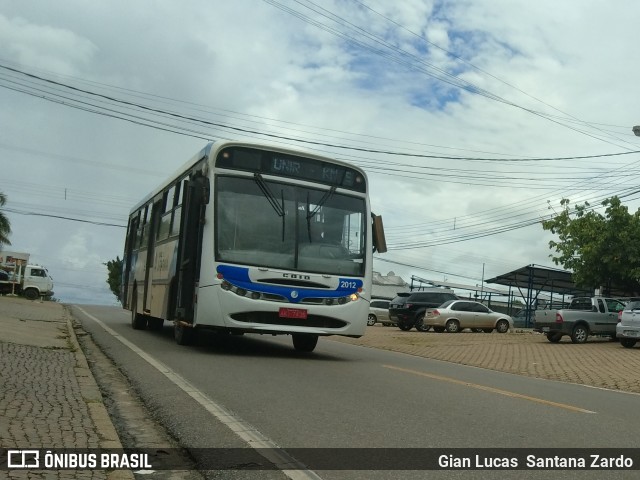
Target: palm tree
[(5, 225)]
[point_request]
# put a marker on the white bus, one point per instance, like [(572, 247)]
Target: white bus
[(248, 238)]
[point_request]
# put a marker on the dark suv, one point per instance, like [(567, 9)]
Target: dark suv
[(408, 309)]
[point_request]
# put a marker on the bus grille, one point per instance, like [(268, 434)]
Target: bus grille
[(272, 318)]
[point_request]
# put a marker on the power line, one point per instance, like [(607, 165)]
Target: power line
[(407, 59), (374, 167), (571, 119), (210, 109), (395, 262), (104, 224), (289, 138)]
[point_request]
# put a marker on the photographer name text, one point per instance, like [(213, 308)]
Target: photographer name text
[(535, 462)]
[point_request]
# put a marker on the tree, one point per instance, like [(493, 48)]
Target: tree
[(600, 250), (114, 279), (5, 225)]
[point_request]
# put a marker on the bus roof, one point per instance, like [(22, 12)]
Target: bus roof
[(206, 151)]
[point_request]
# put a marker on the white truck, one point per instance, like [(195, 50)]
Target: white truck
[(19, 277)]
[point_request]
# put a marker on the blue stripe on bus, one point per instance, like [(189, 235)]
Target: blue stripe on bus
[(239, 277)]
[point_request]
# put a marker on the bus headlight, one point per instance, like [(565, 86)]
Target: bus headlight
[(225, 285), (353, 297)]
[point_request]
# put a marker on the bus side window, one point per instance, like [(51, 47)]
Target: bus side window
[(145, 227), (139, 226), (133, 241), (164, 229), (177, 209)]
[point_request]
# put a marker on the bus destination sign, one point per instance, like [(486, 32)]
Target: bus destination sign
[(263, 161)]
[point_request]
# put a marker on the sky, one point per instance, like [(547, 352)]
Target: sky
[(472, 119)]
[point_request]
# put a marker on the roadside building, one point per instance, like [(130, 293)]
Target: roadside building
[(387, 286)]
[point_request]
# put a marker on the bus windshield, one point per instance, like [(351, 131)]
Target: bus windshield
[(278, 225)]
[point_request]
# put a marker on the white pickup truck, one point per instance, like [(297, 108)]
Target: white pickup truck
[(19, 277), (583, 317)]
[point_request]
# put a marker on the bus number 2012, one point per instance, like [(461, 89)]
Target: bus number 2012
[(347, 284)]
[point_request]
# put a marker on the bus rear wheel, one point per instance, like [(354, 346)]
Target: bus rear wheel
[(138, 322), (304, 342)]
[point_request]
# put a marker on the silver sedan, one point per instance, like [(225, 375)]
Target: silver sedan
[(456, 315), (379, 313)]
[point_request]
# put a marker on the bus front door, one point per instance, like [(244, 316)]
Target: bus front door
[(190, 248)]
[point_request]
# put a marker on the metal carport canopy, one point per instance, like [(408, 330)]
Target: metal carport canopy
[(539, 278)]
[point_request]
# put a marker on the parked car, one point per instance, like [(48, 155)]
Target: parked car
[(379, 313), (408, 309), (628, 328), (456, 315), (583, 317)]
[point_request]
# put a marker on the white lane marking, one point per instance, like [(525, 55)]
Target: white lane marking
[(265, 447)]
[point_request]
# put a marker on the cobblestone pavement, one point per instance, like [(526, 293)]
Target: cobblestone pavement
[(48, 397), (600, 362)]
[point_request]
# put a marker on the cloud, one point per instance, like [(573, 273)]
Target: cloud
[(48, 47), (79, 251)]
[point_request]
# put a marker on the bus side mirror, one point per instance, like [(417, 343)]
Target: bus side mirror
[(379, 241)]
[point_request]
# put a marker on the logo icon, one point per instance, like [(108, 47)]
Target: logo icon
[(23, 458)]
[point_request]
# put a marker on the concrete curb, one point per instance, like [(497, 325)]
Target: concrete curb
[(93, 397)]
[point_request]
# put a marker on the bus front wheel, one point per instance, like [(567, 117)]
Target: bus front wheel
[(304, 342)]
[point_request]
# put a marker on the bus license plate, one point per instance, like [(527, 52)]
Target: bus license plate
[(292, 313)]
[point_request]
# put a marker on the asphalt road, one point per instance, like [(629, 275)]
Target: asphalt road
[(347, 396)]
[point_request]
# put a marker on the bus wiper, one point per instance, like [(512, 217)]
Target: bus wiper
[(278, 207), (320, 204), (322, 201)]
